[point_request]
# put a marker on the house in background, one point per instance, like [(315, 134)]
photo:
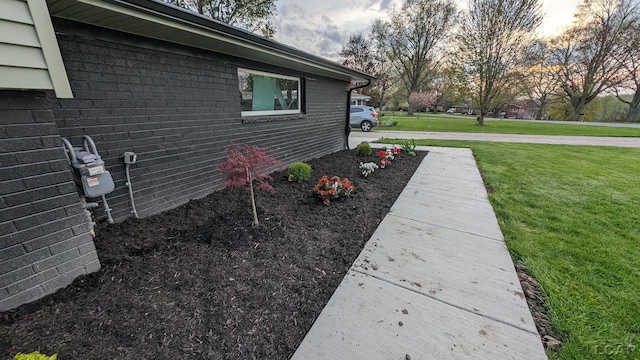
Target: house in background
[(142, 77), (359, 99)]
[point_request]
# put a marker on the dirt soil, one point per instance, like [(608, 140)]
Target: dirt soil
[(199, 282)]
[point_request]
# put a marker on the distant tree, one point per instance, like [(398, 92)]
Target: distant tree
[(590, 54), (421, 100), (358, 54), (613, 109), (631, 73), (385, 79), (561, 109), (452, 86), (496, 41), (542, 81), (253, 15), (412, 38)]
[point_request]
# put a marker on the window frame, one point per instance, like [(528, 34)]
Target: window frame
[(300, 94)]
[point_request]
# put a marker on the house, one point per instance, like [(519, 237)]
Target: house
[(359, 99), (145, 78)]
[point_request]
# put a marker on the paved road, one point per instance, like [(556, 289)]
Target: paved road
[(585, 123), (579, 123), (358, 136)]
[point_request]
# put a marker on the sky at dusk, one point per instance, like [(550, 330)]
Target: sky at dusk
[(322, 27)]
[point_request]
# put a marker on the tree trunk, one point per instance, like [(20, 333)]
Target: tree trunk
[(542, 112), (578, 111), (253, 199), (410, 110), (634, 113), (634, 108), (480, 119), (545, 110)]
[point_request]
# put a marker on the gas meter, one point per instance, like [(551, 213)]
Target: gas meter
[(89, 173)]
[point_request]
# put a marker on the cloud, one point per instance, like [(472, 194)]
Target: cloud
[(385, 4), (379, 5), (324, 27), (315, 32)]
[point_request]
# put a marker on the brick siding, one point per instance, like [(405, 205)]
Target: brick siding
[(177, 108), (44, 236)]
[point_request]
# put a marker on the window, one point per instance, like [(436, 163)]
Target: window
[(269, 94)]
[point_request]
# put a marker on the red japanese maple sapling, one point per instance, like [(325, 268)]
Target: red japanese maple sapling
[(247, 164)]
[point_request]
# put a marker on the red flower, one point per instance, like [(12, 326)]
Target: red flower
[(334, 188)]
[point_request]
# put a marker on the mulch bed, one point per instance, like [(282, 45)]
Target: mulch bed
[(199, 282)]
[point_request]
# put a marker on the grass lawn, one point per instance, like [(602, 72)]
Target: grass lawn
[(571, 214), (444, 123)]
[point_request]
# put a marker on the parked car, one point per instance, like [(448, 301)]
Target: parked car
[(451, 111), (363, 117)]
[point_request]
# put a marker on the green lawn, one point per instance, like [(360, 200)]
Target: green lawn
[(571, 214), (446, 123)]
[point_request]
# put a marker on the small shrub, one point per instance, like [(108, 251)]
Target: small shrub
[(368, 168), (409, 146), (34, 356), (299, 171), (388, 123), (364, 149), (333, 189)]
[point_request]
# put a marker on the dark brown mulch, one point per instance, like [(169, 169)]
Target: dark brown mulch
[(538, 307), (199, 282)]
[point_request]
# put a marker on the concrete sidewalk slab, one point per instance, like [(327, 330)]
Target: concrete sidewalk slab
[(364, 322), (457, 213), (450, 186), (435, 281), (436, 262)]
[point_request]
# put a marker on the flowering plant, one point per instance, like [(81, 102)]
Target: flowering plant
[(395, 150), (385, 157), (333, 188), (368, 168)]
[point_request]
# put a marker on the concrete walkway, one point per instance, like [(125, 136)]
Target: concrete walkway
[(435, 281), (358, 136)]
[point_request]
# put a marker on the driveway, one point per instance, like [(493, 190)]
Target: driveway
[(357, 136)]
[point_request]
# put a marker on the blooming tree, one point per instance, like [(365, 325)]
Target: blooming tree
[(421, 100)]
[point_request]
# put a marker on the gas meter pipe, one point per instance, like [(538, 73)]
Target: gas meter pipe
[(133, 204), (107, 209)]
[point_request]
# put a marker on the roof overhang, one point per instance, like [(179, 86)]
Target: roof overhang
[(161, 21)]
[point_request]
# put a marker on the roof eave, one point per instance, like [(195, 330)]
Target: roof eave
[(161, 21)]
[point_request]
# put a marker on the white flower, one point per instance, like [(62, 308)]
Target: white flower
[(368, 168)]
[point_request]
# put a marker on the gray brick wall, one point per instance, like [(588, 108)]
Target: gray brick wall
[(44, 237), (177, 108)]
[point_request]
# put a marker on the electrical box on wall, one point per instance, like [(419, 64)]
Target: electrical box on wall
[(129, 157)]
